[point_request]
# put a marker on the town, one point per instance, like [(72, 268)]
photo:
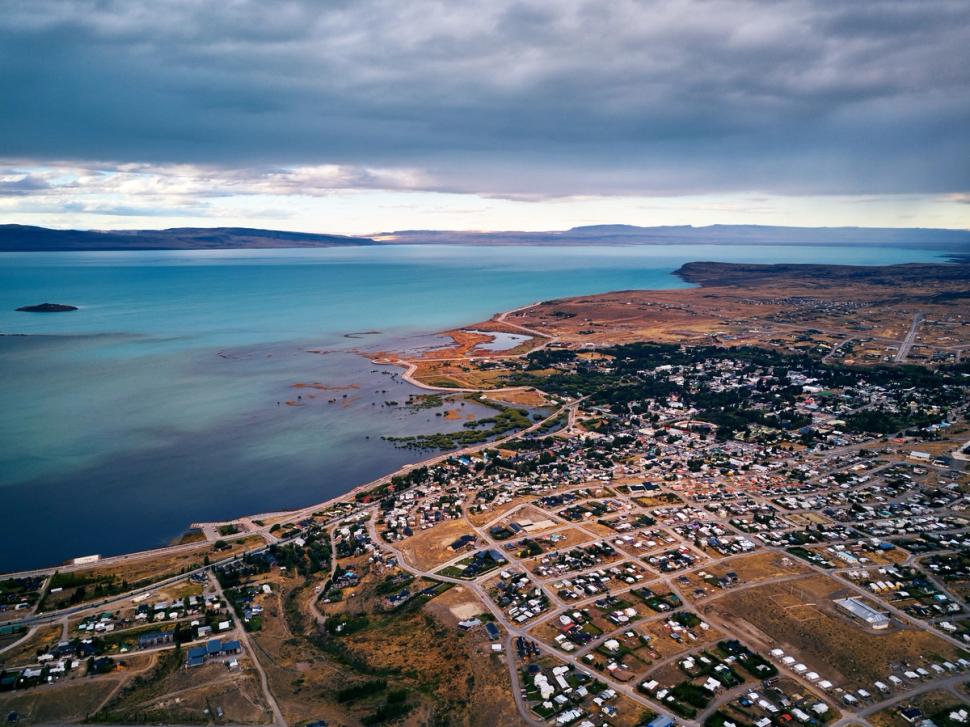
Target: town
[(676, 535)]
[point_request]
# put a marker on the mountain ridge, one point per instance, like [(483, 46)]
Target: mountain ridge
[(26, 238), (710, 234)]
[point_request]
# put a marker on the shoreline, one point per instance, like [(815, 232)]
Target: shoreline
[(698, 274), (307, 511), (288, 516)]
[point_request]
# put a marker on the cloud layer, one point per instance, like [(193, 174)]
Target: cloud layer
[(501, 98)]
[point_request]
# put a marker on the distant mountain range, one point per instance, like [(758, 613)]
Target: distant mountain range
[(713, 234), (26, 238), (33, 239)]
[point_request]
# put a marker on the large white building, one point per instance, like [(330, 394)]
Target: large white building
[(860, 609)]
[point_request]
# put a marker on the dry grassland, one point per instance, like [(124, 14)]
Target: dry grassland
[(760, 567), (427, 549), (146, 569), (171, 693), (800, 618), (25, 652), (519, 397), (69, 701), (478, 519), (450, 676)]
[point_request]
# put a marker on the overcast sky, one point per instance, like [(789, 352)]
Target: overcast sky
[(378, 115)]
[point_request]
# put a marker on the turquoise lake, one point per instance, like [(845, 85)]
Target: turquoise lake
[(156, 404)]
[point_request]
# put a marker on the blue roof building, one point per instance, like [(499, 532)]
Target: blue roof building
[(196, 656)]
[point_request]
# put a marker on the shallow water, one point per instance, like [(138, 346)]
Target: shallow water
[(500, 341), (156, 404)]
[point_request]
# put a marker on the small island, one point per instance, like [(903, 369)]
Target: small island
[(47, 308)]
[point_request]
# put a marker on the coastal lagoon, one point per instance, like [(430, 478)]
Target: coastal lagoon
[(162, 400)]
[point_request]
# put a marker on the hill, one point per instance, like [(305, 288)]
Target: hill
[(23, 238), (27, 238), (713, 235)]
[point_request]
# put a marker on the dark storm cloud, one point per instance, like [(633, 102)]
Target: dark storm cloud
[(507, 98)]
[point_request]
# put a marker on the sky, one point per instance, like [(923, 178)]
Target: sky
[(365, 116)]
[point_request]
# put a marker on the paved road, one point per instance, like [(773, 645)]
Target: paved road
[(835, 349), (122, 559), (30, 632), (52, 616), (910, 338)]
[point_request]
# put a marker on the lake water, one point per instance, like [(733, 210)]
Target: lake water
[(501, 341), (162, 400)]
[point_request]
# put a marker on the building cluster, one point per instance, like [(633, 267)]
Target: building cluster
[(518, 596)]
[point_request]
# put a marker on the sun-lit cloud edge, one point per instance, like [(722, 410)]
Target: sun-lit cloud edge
[(364, 200)]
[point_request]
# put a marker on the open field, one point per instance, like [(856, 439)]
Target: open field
[(300, 676), (443, 673), (532, 521), (194, 535), (596, 529), (630, 714), (428, 549), (26, 651), (468, 682), (800, 618), (495, 512), (760, 567), (456, 604), (520, 397), (171, 693), (460, 374), (663, 499), (856, 315), (558, 540), (69, 701), (748, 569), (781, 298), (662, 644)]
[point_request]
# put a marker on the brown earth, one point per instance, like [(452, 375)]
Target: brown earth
[(172, 693), (427, 549), (449, 676), (800, 618), (790, 308), (64, 702), (26, 651)]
